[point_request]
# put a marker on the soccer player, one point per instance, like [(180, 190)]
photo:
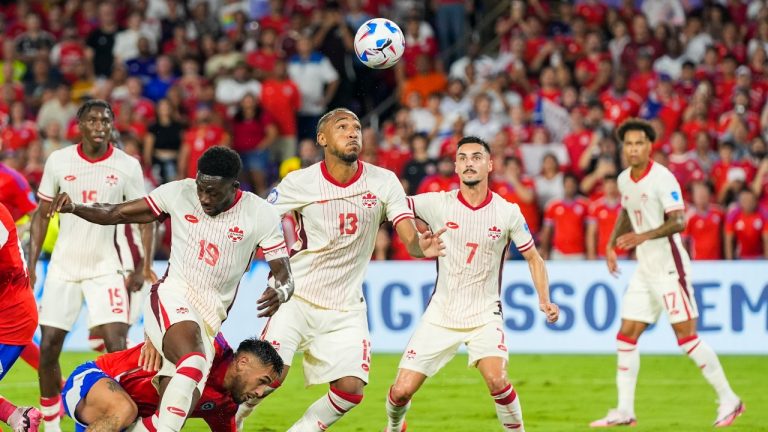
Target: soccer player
[(652, 217), (216, 229), (18, 319), (465, 307), (338, 204), (85, 264), (110, 392)]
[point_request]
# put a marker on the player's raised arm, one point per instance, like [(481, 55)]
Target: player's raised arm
[(135, 211)]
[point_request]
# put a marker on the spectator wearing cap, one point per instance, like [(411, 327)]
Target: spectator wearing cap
[(102, 39), (317, 81), (563, 232), (201, 135), (746, 229), (703, 235)]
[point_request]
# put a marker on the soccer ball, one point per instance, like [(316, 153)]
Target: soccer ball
[(379, 43)]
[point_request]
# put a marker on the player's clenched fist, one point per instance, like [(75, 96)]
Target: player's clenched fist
[(62, 203), (551, 310)]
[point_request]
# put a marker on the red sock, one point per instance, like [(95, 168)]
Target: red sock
[(31, 355), (6, 409), (50, 407)]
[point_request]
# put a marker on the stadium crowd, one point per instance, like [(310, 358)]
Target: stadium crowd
[(546, 88)]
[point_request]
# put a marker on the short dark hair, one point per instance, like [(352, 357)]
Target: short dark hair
[(220, 162), (94, 103), (264, 351), (327, 116), (473, 140), (635, 124)]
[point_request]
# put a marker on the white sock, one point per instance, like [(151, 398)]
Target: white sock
[(706, 359), (51, 409), (628, 366), (191, 372), (395, 413), (144, 424), (246, 408), (326, 411), (508, 409)]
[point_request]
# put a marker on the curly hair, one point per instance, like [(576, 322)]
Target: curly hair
[(220, 161)]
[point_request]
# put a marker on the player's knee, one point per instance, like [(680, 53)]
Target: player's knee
[(497, 384), (125, 412), (401, 393)]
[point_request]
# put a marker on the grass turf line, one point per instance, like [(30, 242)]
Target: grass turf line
[(559, 393)]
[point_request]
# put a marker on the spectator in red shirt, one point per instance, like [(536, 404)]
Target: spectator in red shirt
[(643, 78), (620, 103), (593, 12), (264, 57), (19, 133), (642, 40), (563, 234), (746, 229), (513, 186), (683, 164), (728, 174), (740, 117), (253, 134), (704, 225), (15, 192), (201, 136), (601, 218), (444, 180), (281, 98)]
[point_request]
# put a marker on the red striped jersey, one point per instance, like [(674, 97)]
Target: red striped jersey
[(113, 178), (476, 240), (647, 200), (336, 226), (210, 254)]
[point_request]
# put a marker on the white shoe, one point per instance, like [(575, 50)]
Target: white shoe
[(727, 413), (614, 418), (25, 419)]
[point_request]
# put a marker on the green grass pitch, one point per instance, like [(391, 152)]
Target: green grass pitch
[(559, 393)]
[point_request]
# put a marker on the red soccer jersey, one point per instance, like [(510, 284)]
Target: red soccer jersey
[(576, 143), (604, 213), (282, 100), (643, 82), (620, 107), (692, 128), (15, 193), (748, 230), (199, 139), (686, 169), (593, 14), (529, 210), (437, 183), (704, 233), (719, 172), (567, 219), (215, 406), (18, 319), (15, 138)]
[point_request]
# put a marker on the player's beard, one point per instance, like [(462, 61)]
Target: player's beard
[(345, 157), (471, 183)]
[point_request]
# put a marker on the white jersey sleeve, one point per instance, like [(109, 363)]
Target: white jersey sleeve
[(397, 209), (49, 185), (289, 195), (427, 207), (160, 200), (519, 231), (669, 193), (269, 233)]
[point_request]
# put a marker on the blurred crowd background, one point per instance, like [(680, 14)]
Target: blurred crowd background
[(544, 82)]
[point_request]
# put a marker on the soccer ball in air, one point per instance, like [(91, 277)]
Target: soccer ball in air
[(379, 43)]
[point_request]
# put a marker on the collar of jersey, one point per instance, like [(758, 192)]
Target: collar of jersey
[(106, 154), (485, 202), (329, 177)]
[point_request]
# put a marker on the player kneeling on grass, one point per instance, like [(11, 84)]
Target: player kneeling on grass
[(465, 307), (652, 217), (109, 393)]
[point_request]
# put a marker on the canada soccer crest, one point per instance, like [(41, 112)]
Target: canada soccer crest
[(111, 179), (235, 234), (370, 200), (494, 233)]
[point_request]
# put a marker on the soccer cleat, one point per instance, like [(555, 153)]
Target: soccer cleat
[(614, 418), (727, 413), (25, 419)]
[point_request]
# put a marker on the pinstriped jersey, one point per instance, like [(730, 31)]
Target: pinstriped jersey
[(84, 250), (469, 275), (210, 254), (336, 226), (647, 200)]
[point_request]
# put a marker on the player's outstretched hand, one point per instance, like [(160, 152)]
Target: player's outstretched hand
[(135, 281), (150, 359), (629, 240), (551, 310), (268, 303), (431, 243), (61, 203), (612, 260)]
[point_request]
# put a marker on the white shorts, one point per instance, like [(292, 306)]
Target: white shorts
[(335, 344), (105, 296), (166, 307), (645, 299), (432, 346), (137, 299)]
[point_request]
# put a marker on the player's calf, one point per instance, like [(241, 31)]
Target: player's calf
[(330, 408)]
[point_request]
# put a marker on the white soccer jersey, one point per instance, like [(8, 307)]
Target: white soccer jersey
[(469, 275), (85, 250), (336, 228), (647, 200), (210, 254)]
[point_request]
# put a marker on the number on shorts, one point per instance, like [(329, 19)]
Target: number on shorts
[(672, 299), (347, 223), (115, 298), (209, 253), (471, 256)]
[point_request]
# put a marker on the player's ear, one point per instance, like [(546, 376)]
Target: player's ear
[(321, 139), (236, 184)]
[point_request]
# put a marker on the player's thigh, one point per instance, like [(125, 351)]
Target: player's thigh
[(676, 297), (288, 330), (61, 303), (487, 341), (107, 299), (8, 356), (640, 302), (431, 347), (89, 394), (341, 347), (164, 310)]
